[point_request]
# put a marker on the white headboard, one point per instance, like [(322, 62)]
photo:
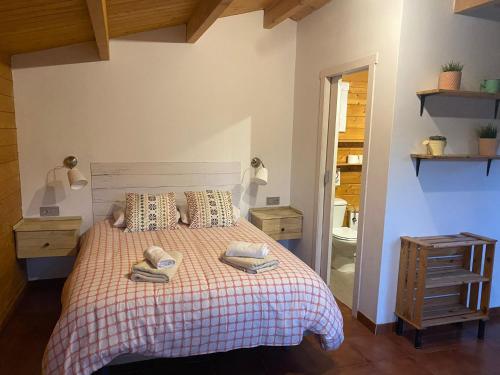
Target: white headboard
[(110, 181)]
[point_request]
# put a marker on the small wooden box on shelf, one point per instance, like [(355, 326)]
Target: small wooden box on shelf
[(47, 236), (280, 223), (442, 280)]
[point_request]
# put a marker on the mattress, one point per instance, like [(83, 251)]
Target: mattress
[(207, 307)]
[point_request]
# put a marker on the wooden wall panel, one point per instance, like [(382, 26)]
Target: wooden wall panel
[(12, 276), (351, 141)]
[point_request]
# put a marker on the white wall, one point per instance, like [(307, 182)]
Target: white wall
[(228, 97), (446, 197), (340, 32)]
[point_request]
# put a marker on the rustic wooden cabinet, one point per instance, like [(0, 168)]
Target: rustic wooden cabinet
[(444, 279)]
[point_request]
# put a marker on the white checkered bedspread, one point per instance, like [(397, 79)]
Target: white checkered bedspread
[(208, 307)]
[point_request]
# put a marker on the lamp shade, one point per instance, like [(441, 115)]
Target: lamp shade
[(261, 175), (76, 179)]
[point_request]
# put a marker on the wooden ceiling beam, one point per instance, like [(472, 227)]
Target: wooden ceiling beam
[(465, 5), (99, 18), (281, 10), (204, 15)]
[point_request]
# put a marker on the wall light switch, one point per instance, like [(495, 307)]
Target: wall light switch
[(49, 211), (272, 201)]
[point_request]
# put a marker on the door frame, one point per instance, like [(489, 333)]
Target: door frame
[(324, 172)]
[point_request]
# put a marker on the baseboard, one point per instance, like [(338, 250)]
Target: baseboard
[(376, 329), (381, 329), (13, 305)]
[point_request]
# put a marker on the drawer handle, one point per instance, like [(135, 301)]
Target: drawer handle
[(282, 229), (46, 244)]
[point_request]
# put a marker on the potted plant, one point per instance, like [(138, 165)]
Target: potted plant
[(488, 143), (435, 145), (450, 77)]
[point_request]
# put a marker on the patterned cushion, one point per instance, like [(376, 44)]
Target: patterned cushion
[(211, 208), (150, 212)]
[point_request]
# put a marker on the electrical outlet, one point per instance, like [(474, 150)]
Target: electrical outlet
[(272, 201), (49, 211)]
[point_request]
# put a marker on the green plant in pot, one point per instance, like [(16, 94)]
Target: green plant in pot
[(488, 143), (435, 145), (450, 76)]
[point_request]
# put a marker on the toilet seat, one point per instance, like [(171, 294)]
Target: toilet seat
[(345, 233)]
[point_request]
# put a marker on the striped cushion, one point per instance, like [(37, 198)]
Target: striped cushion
[(210, 208), (151, 212)]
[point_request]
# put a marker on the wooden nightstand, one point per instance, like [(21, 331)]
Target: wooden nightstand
[(47, 237), (280, 223)]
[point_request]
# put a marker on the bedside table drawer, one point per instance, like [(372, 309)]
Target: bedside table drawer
[(46, 243), (287, 228)]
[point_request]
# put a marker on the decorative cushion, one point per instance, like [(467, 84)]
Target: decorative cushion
[(210, 208), (151, 212), (184, 215)]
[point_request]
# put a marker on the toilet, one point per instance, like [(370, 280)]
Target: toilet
[(344, 239)]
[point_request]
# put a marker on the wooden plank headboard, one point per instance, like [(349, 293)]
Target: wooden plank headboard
[(111, 181)]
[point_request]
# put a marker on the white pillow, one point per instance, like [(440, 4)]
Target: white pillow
[(119, 218), (183, 212)]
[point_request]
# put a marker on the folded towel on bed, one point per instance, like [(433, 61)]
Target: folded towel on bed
[(145, 271), (251, 265), (247, 250), (158, 257)]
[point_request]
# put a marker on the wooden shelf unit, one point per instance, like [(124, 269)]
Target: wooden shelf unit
[(423, 95), (419, 157), (442, 280)]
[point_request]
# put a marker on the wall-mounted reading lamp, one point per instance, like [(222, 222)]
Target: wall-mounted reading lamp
[(261, 172), (76, 178)]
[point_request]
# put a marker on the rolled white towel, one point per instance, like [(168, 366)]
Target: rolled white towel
[(247, 250), (159, 257)]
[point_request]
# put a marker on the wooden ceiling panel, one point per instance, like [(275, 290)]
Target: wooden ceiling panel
[(30, 25), (132, 16)]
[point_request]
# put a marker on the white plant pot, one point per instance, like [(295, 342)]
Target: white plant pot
[(434, 147)]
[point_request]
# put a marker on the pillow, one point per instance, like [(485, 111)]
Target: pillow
[(183, 210), (184, 216), (210, 208), (150, 212), (119, 218)]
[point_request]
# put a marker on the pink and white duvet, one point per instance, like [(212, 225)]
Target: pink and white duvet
[(208, 307)]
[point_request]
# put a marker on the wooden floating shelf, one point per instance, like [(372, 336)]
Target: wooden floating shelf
[(423, 95), (342, 165), (357, 141), (487, 159)]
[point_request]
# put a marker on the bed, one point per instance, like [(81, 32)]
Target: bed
[(208, 307)]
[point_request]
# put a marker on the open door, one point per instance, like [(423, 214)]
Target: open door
[(331, 163)]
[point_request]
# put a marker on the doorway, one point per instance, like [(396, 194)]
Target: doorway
[(346, 98), (350, 122)]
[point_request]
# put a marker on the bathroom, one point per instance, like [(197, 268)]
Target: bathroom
[(351, 115)]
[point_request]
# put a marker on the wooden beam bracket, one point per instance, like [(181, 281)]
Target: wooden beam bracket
[(99, 18), (205, 14)]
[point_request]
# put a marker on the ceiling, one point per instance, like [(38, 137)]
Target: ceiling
[(30, 25)]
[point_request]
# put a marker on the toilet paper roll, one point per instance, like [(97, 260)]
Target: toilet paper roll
[(353, 220)]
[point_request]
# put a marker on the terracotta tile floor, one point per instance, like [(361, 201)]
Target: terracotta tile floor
[(447, 350)]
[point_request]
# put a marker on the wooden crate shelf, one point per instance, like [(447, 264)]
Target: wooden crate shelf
[(444, 279)]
